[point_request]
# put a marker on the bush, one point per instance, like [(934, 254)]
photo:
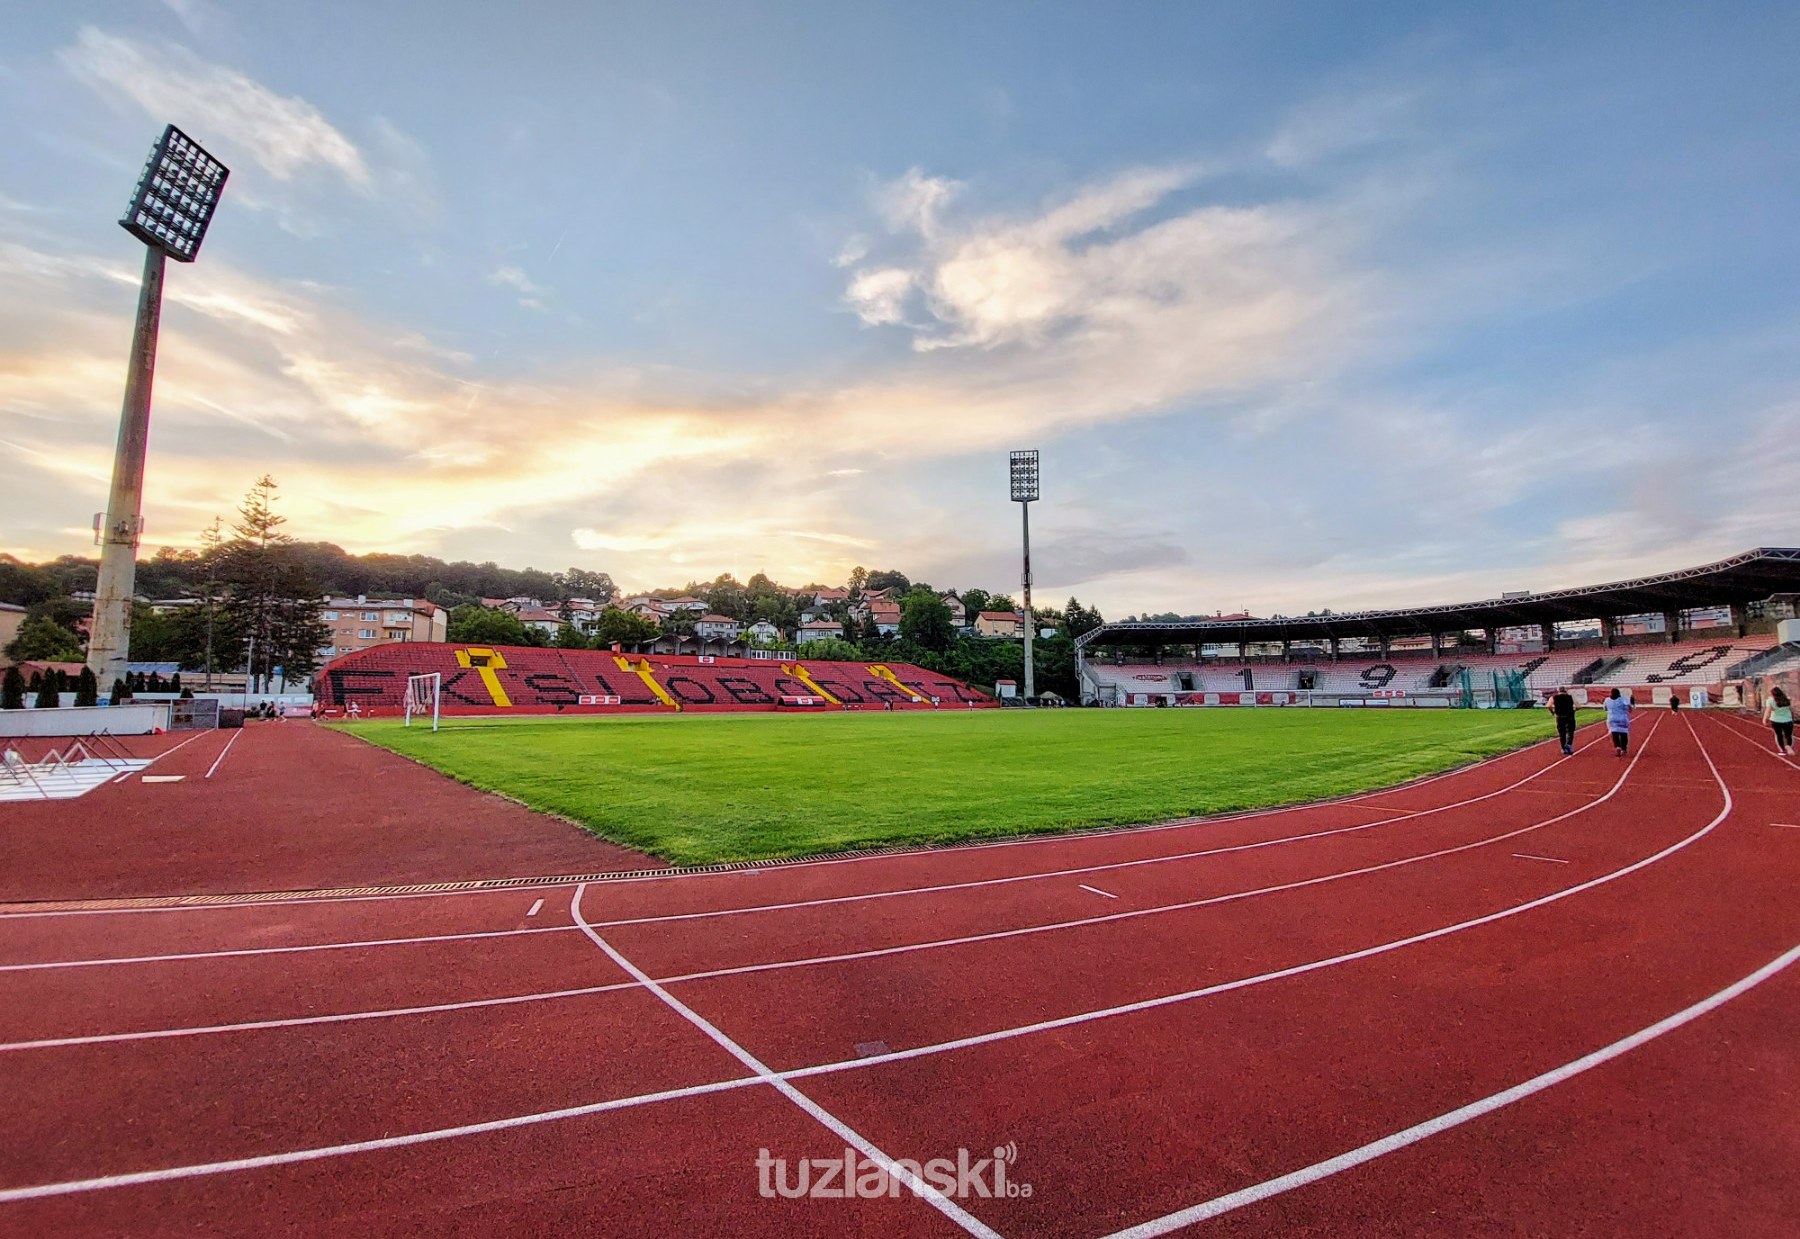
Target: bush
[(121, 692)]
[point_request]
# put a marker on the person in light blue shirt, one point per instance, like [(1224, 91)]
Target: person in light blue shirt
[(1618, 721)]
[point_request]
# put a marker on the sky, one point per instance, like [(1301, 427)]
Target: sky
[(1305, 305)]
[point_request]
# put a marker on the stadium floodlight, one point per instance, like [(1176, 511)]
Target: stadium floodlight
[(1023, 467), (169, 212)]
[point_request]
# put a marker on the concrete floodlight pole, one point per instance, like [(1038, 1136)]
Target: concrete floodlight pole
[(169, 212), (109, 644), (1023, 470), (1030, 672)]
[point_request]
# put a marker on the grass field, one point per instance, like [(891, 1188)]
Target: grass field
[(749, 786)]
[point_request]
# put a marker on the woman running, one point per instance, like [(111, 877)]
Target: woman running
[(1618, 721), (1778, 713)]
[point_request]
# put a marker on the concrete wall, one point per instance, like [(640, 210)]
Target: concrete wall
[(125, 720)]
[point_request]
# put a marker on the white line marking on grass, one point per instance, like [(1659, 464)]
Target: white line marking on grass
[(1528, 856), (942, 1203), (446, 1133), (553, 883), (1454, 1118), (536, 908), (1096, 890), (221, 757)]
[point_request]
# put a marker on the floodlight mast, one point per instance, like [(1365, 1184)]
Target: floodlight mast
[(169, 213), (1024, 470)]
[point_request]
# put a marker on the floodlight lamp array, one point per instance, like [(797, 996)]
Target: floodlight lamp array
[(175, 196), (1024, 468)]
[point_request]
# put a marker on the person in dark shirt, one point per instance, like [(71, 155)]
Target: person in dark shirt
[(1563, 707)]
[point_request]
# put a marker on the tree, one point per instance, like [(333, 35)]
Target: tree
[(618, 627), (925, 621), (887, 578), (42, 639), (830, 649), (580, 583), (1079, 620), (47, 697), (479, 626), (12, 690), (87, 688), (975, 601), (121, 691), (569, 637), (270, 595)]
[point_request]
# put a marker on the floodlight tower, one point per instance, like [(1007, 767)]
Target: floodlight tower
[(169, 213), (1024, 468)]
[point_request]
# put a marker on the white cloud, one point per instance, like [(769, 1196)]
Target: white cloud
[(879, 297), (287, 136)]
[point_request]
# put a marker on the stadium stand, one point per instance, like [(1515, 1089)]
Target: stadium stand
[(529, 680), (1642, 668)]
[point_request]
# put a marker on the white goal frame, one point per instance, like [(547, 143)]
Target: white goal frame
[(421, 689)]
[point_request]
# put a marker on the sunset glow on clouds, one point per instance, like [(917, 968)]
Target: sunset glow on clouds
[(1385, 333)]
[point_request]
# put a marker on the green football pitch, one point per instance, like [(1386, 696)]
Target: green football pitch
[(723, 787)]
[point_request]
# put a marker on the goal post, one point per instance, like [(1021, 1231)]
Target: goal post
[(422, 695)]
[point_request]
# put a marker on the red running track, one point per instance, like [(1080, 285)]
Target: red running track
[(1537, 996)]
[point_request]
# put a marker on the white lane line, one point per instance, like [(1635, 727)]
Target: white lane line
[(1755, 741), (276, 1159), (1785, 825), (281, 950), (364, 1146), (777, 965), (1528, 856), (1071, 837), (942, 1203), (869, 954), (159, 1034), (161, 778), (1454, 1118), (536, 908), (1279, 974), (217, 761)]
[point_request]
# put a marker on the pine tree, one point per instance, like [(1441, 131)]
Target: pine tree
[(47, 698), (269, 595), (121, 692), (12, 690), (87, 688)]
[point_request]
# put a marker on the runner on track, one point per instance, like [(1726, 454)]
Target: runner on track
[(1778, 713), (1562, 705), (1618, 721)]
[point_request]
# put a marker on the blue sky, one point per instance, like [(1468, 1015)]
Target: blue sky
[(1306, 305)]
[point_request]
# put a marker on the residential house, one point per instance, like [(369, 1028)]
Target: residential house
[(825, 596), (886, 616), (358, 623), (959, 614), (763, 630), (543, 619), (818, 630), (711, 627), (12, 618), (1000, 624)]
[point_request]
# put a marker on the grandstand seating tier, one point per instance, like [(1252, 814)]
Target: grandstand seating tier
[(1645, 669), (530, 680)]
